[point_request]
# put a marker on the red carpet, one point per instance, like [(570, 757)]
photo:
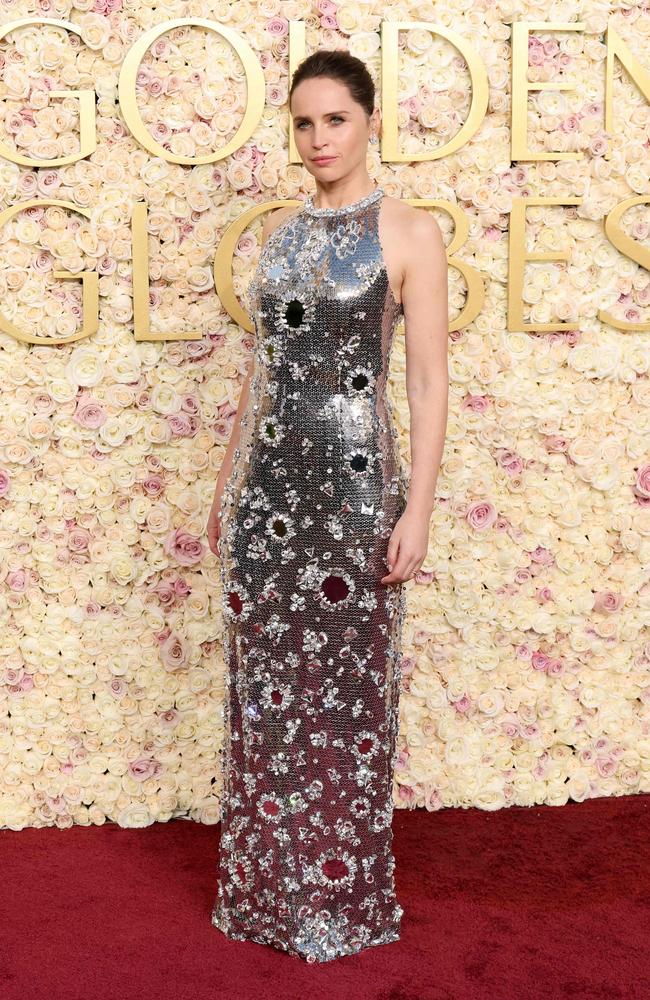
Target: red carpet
[(541, 902)]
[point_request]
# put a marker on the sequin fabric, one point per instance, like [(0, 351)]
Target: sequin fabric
[(312, 637)]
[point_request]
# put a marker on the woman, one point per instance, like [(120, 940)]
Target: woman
[(310, 508)]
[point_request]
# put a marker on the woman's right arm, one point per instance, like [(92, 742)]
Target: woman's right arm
[(214, 524)]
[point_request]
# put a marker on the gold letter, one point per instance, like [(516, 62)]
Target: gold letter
[(521, 86), (631, 249), (127, 90), (141, 327), (90, 296), (473, 278), (88, 137), (616, 47), (480, 92), (518, 255)]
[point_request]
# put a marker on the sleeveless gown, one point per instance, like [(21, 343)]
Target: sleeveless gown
[(312, 638)]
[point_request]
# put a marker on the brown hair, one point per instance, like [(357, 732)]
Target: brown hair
[(338, 65)]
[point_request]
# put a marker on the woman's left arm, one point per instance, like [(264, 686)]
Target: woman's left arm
[(426, 319)]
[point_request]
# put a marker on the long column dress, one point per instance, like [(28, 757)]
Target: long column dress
[(312, 638)]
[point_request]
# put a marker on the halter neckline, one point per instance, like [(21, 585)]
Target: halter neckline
[(354, 206)]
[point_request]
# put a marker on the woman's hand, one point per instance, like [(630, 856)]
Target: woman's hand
[(407, 547), (214, 522)]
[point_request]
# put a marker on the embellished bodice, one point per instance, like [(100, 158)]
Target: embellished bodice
[(325, 316), (321, 293)]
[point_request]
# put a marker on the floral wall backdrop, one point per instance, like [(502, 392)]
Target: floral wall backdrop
[(527, 654)]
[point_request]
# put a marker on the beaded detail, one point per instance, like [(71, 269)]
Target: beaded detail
[(312, 638), (354, 206)]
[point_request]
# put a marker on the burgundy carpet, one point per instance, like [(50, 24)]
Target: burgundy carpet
[(540, 902)]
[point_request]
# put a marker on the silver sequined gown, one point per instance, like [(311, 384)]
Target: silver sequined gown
[(312, 637)]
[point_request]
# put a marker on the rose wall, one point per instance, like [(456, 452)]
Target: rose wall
[(527, 655)]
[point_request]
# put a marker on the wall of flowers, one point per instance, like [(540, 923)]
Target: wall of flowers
[(526, 669)]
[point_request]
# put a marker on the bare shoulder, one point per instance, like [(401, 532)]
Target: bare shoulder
[(414, 245), (414, 224), (276, 218)]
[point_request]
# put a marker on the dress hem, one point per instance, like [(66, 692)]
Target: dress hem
[(282, 944)]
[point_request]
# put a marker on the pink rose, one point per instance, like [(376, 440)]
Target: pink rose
[(117, 688), (406, 794), (642, 484), (569, 124), (160, 132), (174, 652), (555, 444), (542, 556), (164, 591), (539, 660), (607, 600), (17, 580), (155, 87), (432, 799), (89, 412), (78, 540), (481, 515), (153, 486), (106, 265), (5, 483), (181, 587), (278, 26), (189, 402), (276, 95), (536, 54), (184, 547), (144, 72), (606, 766), (222, 428), (42, 262), (478, 404), (510, 726), (144, 767), (598, 145), (182, 424), (463, 705), (511, 462)]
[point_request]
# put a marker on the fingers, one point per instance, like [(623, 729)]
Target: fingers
[(392, 553), (403, 571), (214, 542)]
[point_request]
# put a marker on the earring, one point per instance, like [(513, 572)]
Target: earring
[(373, 138)]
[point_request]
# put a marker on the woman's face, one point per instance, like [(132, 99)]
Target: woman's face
[(327, 122)]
